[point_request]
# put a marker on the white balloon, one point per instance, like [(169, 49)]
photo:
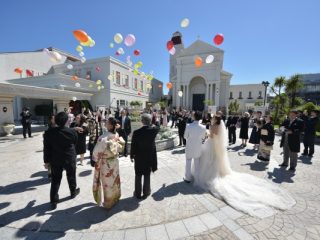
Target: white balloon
[(210, 59), (180, 93), (110, 77), (83, 59), (69, 66), (77, 84), (111, 45), (118, 38), (120, 51), (81, 54), (74, 98), (184, 23), (172, 51)]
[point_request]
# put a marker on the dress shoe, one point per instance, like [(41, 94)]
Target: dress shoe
[(187, 181), (292, 169), (75, 193), (304, 154), (310, 155), (283, 165), (53, 205)]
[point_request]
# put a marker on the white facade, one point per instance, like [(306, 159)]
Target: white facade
[(247, 95), (208, 82)]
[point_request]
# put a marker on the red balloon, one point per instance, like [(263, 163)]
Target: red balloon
[(117, 53), (136, 52), (169, 45), (29, 73), (218, 39)]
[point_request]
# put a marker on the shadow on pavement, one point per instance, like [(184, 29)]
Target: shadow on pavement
[(248, 152), (257, 166), (4, 205), (28, 185), (85, 173), (174, 189), (279, 175), (305, 159), (178, 151), (76, 218)]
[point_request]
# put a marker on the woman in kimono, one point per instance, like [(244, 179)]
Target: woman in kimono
[(106, 174), (266, 140)]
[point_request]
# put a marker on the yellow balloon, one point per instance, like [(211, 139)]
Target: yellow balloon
[(98, 82), (79, 48), (135, 72), (92, 43), (118, 38)]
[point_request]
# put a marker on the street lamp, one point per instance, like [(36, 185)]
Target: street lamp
[(265, 84)]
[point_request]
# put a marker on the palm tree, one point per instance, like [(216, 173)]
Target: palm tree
[(277, 89), (293, 85)]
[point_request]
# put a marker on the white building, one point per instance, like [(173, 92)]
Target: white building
[(52, 84), (208, 82), (247, 95)]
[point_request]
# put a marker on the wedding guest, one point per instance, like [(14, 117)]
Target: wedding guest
[(51, 124), (126, 127), (164, 118), (174, 117), (290, 141), (221, 115), (144, 154), (244, 128), (255, 133), (59, 151), (231, 125), (182, 123), (81, 126), (26, 122), (310, 133), (267, 135), (94, 131), (106, 173)]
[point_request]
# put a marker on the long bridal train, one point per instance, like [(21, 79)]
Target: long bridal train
[(255, 196)]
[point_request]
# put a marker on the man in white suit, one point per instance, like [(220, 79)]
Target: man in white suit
[(195, 134)]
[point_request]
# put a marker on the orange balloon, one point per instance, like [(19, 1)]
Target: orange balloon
[(74, 78), (169, 85), (198, 62), (18, 70), (81, 35)]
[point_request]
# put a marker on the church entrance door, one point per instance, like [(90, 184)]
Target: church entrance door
[(197, 102)]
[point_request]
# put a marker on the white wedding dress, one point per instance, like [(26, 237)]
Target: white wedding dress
[(252, 195)]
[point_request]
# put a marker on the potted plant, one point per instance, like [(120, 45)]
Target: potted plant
[(8, 128)]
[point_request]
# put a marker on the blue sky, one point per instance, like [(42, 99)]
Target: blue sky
[(263, 39)]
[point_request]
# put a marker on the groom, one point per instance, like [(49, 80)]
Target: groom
[(195, 134)]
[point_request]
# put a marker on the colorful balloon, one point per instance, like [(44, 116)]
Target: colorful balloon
[(98, 82), (74, 78), (79, 48), (81, 35), (117, 53), (110, 77), (135, 72), (170, 45), (198, 61), (218, 39), (77, 84), (99, 88), (98, 69), (118, 38), (169, 85), (136, 52), (111, 45), (210, 59), (185, 23), (120, 51), (129, 40), (18, 70), (92, 43), (180, 93), (172, 51), (69, 66)]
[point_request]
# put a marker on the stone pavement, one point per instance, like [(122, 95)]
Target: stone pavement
[(175, 210)]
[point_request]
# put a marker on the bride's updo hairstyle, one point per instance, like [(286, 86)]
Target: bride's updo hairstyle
[(217, 119)]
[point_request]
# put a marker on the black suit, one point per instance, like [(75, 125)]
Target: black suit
[(144, 153), (126, 127), (231, 125), (309, 134), (59, 150), (26, 123)]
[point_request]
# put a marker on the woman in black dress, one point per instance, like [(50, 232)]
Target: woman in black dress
[(244, 121), (255, 133), (81, 126)]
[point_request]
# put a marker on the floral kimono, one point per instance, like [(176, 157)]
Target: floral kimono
[(106, 174)]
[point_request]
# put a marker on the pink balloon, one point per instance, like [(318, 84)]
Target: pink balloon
[(129, 40), (98, 69)]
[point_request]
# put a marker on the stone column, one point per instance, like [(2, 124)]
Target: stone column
[(187, 96), (217, 94)]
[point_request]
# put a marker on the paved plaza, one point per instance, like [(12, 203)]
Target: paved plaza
[(175, 210)]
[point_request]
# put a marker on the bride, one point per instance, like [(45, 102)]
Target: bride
[(255, 196)]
